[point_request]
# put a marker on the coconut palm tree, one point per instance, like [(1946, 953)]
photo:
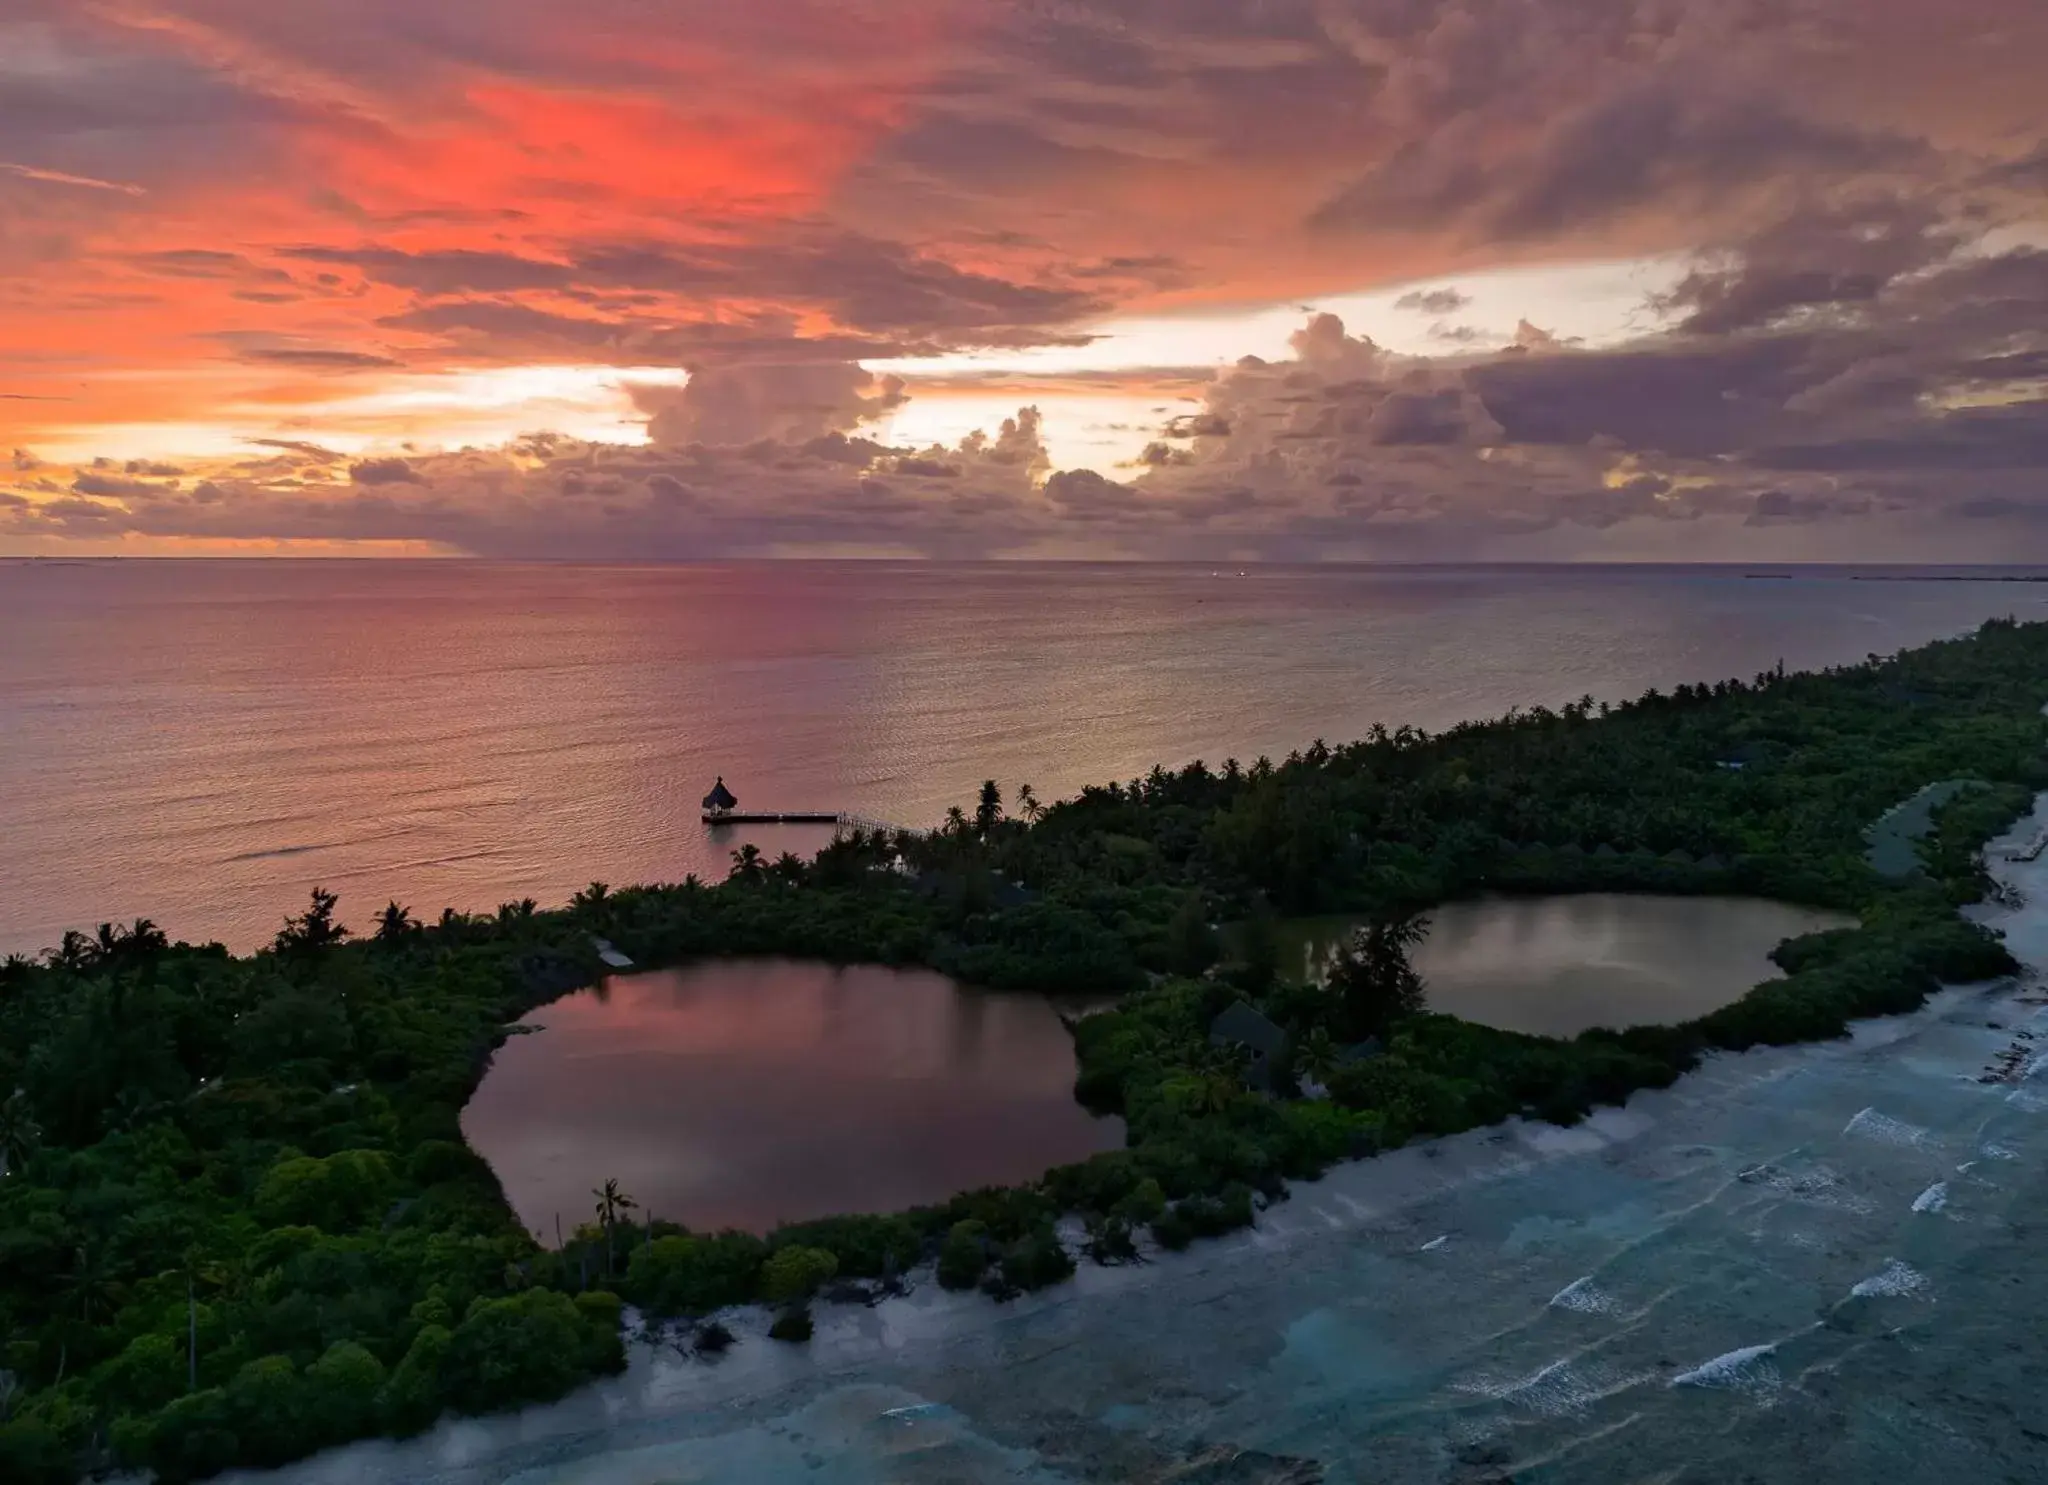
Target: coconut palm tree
[(611, 1201), (93, 1292), (591, 901), (748, 865), (1028, 806), (956, 821), (788, 867), (988, 810), (74, 953), (1317, 1057), (395, 923)]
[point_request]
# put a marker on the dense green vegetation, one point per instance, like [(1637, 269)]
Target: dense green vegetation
[(238, 1221)]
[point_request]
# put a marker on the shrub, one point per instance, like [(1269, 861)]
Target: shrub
[(964, 1255), (793, 1324), (1036, 1261), (1109, 1240), (530, 1348), (695, 1275), (1172, 1230), (194, 1437), (344, 1384), (31, 1453), (795, 1274), (1144, 1204), (413, 1398), (342, 1191), (866, 1247)]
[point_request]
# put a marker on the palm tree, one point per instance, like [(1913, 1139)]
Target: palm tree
[(74, 953), (610, 1202), (1317, 1057), (92, 1288), (314, 929), (956, 821), (1214, 1093), (789, 867), (20, 1135), (747, 864), (1028, 805), (394, 923), (988, 810), (591, 901)]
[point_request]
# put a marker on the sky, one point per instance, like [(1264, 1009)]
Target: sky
[(1204, 280)]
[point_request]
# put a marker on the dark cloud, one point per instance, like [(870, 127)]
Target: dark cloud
[(869, 287), (203, 263), (317, 358), (1433, 301), (450, 272), (312, 451), (391, 471), (1671, 142), (112, 486)]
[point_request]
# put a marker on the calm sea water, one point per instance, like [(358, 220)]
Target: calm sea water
[(1557, 966), (745, 1093), (202, 742)]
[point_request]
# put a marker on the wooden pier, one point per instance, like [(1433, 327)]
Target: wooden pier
[(842, 822), (750, 817)]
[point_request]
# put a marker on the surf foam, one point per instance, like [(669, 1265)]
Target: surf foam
[(1896, 1281)]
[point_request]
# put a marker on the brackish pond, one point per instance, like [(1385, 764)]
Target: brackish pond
[(751, 1092), (1556, 966)]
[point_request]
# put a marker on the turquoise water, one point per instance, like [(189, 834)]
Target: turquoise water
[(1807, 1266)]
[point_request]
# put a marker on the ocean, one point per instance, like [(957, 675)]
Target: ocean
[(203, 742)]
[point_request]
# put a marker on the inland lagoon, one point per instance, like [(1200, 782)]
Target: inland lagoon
[(1560, 965), (747, 1093)]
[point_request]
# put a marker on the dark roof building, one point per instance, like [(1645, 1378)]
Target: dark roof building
[(720, 797), (1247, 1027)]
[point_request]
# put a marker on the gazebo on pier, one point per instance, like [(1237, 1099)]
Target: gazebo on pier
[(720, 801)]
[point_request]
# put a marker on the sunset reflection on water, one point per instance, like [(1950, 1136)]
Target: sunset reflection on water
[(751, 1092)]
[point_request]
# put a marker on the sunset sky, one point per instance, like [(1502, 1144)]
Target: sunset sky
[(1205, 279)]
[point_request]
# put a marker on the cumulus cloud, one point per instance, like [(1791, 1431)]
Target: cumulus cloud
[(792, 402), (383, 472)]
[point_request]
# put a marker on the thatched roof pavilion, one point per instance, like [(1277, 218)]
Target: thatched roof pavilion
[(720, 799)]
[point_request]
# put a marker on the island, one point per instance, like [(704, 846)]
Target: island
[(239, 1222)]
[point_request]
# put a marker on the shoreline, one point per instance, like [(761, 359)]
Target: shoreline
[(914, 1361)]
